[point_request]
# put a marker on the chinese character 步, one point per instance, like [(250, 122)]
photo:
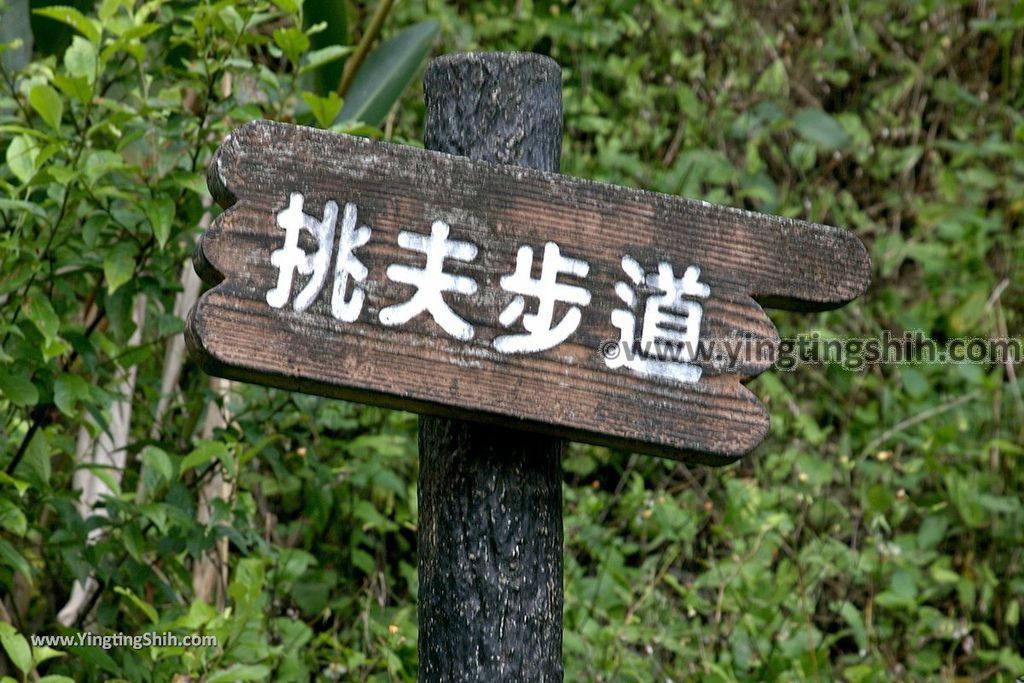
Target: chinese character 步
[(541, 333)]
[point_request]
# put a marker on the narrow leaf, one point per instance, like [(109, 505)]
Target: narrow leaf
[(387, 72)]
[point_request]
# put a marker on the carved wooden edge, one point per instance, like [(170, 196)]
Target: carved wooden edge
[(857, 262)]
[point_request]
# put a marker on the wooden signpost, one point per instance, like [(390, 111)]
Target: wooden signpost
[(502, 295)]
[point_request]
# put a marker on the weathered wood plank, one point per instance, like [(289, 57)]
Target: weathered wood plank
[(568, 390)]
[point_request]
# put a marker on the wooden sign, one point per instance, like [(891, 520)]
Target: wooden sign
[(411, 279)]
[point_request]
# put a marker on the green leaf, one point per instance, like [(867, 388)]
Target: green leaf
[(35, 465), (47, 102), (39, 310), (80, 60), (16, 646), (239, 672), (158, 461), (23, 206), (324, 109), (327, 72), (204, 453), (387, 72), (144, 607), (76, 87), (119, 266), (318, 58), (12, 518), (19, 484), (43, 653), (774, 81), (160, 214), (292, 41), (816, 126), (21, 157), (90, 28), (55, 678), (67, 390), (291, 6), (18, 389), (98, 163)]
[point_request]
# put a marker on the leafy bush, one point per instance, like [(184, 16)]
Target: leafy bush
[(877, 534)]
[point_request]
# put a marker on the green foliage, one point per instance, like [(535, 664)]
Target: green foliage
[(106, 141), (876, 535)]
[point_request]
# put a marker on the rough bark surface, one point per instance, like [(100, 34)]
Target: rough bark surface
[(490, 499)]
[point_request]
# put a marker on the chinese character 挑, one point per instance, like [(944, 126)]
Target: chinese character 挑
[(292, 257)]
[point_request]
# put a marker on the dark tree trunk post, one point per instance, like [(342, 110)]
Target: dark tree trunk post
[(490, 499)]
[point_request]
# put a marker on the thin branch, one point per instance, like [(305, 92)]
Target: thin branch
[(363, 48)]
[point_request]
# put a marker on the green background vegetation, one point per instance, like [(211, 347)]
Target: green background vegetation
[(876, 535)]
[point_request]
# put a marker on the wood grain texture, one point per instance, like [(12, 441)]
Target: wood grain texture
[(566, 391), (489, 540)]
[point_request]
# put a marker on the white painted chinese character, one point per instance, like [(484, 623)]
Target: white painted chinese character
[(342, 308), (431, 281), (540, 333), (671, 316), (291, 257)]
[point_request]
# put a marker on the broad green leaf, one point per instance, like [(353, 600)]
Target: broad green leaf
[(90, 28), (55, 678), (292, 41), (39, 310), (47, 102), (816, 126), (204, 453), (35, 464), (160, 214), (119, 265), (387, 71), (324, 109), (239, 672), (21, 157), (18, 389), (100, 162), (74, 86), (80, 60), (158, 461), (12, 518), (16, 646), (68, 389)]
